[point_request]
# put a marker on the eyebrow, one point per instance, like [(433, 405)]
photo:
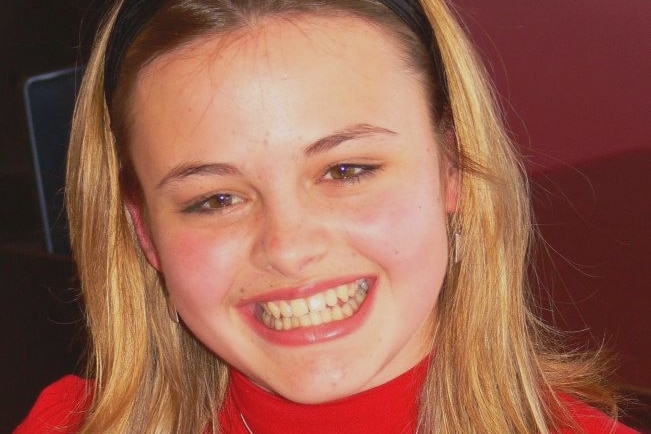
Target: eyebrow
[(188, 169), (352, 132), (321, 145)]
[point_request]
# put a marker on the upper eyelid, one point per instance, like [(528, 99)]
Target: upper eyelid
[(365, 165), (370, 168), (195, 205)]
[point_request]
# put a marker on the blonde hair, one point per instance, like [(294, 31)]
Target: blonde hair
[(494, 368)]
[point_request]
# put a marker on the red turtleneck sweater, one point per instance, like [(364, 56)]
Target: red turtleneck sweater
[(391, 408)]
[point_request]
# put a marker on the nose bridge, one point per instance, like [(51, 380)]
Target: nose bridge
[(292, 235)]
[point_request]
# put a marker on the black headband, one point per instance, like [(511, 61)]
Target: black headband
[(411, 13), (134, 14), (131, 18)]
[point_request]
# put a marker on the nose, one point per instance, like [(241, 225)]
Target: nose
[(291, 239)]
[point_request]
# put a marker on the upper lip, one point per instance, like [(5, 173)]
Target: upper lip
[(305, 290)]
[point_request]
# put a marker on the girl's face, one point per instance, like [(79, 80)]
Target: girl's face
[(293, 202)]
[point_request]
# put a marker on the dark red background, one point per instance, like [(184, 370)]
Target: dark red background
[(575, 82), (574, 74)]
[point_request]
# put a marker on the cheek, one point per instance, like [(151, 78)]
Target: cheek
[(403, 229), (198, 268), (405, 235)]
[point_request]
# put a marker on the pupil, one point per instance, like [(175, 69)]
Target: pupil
[(220, 200), (345, 171)]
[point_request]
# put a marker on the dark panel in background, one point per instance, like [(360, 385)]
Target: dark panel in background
[(35, 37), (50, 101)]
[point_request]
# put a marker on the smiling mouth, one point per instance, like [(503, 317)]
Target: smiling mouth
[(334, 304)]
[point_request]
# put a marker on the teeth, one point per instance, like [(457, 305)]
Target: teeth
[(273, 309), (299, 307), (337, 314), (285, 309), (354, 305), (342, 294), (326, 316), (331, 298), (315, 318), (347, 310), (316, 303), (267, 320), (333, 304), (305, 321)]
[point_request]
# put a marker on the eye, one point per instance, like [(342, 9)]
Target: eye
[(346, 171), (220, 201), (216, 202)]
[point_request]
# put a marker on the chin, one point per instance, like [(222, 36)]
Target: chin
[(314, 377), (325, 387)]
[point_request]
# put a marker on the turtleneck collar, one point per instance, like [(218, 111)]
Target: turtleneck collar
[(391, 408)]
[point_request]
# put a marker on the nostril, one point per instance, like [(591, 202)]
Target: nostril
[(290, 248)]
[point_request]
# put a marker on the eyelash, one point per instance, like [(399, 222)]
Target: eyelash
[(360, 171), (202, 205)]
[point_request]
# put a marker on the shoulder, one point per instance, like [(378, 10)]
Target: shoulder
[(591, 420), (60, 408)]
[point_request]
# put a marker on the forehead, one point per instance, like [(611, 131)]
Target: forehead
[(277, 47), (275, 73)]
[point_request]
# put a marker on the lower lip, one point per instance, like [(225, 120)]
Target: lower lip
[(321, 333)]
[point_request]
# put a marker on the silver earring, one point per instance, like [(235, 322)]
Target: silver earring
[(171, 311), (456, 254)]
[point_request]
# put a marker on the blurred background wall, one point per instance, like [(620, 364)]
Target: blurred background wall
[(574, 77)]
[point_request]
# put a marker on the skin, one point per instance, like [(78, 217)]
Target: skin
[(242, 115)]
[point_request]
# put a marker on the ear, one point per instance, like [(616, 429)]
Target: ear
[(451, 186), (450, 171), (142, 230)]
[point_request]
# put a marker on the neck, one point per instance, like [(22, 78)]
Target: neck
[(388, 409)]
